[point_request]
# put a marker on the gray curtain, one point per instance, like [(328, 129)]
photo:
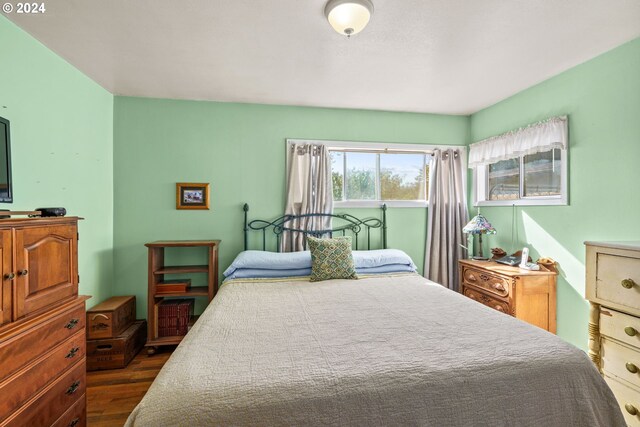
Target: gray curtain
[(309, 190), (446, 217)]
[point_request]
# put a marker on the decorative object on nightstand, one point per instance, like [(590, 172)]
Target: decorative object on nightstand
[(171, 286), (479, 225), (497, 253), (613, 290), (526, 295), (548, 264), (157, 294)]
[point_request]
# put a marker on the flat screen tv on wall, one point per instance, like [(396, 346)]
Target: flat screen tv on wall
[(6, 191)]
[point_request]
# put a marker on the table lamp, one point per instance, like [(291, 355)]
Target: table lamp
[(479, 225)]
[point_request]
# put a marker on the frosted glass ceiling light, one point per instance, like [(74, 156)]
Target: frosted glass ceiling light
[(348, 17)]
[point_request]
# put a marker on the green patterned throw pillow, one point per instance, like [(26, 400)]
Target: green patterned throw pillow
[(331, 259)]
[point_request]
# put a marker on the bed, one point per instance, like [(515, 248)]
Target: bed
[(390, 348)]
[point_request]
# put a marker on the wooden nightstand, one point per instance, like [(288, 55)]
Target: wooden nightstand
[(156, 274), (523, 294)]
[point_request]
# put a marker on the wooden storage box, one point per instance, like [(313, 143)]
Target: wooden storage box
[(114, 353), (111, 317)]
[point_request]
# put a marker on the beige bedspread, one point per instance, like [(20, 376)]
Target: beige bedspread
[(386, 350)]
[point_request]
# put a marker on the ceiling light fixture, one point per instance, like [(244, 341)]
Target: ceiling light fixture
[(348, 17)]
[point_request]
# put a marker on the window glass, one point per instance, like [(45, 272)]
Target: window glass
[(504, 180), (542, 174), (361, 176), (337, 174), (402, 177)]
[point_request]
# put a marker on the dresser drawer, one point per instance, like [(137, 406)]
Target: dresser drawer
[(23, 348), (76, 416), (492, 283), (19, 388), (53, 402), (494, 303), (628, 398), (620, 326), (620, 361), (618, 280)]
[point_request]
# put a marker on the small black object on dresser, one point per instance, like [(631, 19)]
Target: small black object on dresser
[(52, 211)]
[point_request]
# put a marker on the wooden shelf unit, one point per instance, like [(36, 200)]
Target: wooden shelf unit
[(158, 269)]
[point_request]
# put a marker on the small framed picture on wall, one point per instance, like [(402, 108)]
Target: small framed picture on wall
[(192, 195)]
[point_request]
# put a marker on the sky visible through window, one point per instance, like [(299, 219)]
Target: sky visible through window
[(402, 176)]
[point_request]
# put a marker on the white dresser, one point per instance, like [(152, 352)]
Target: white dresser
[(613, 289)]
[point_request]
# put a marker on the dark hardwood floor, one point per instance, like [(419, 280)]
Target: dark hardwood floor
[(112, 394)]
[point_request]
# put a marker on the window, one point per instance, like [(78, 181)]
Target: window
[(362, 176), (533, 179), (367, 174), (526, 166)]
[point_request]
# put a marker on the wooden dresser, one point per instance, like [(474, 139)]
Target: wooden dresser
[(42, 324), (613, 289), (526, 295)]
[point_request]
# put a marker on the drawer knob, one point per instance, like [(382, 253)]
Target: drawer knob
[(631, 331), (73, 388), (499, 308), (74, 422), (498, 287), (631, 409), (72, 323), (72, 353), (23, 272), (631, 368), (628, 283), (9, 276)]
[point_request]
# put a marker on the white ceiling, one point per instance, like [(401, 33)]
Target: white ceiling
[(437, 56)]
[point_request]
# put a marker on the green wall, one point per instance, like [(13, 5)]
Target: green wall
[(602, 99), (116, 164), (61, 147), (240, 150)]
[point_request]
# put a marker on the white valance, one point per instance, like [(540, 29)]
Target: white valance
[(534, 138)]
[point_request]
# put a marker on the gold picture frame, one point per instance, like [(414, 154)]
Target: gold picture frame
[(192, 195)]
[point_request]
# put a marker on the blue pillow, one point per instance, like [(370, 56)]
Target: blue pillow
[(380, 257), (270, 261), (389, 268), (253, 264), (254, 273), (251, 273)]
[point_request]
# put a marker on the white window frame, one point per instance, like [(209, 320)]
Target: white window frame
[(481, 186), (381, 147)]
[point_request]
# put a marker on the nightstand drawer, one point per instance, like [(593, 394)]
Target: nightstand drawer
[(480, 297), (620, 326), (628, 398), (492, 283), (618, 279), (620, 361)]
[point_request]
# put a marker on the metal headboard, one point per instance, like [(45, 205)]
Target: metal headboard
[(346, 222)]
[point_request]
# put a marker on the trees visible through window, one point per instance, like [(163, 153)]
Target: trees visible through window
[(373, 176), (537, 178)]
